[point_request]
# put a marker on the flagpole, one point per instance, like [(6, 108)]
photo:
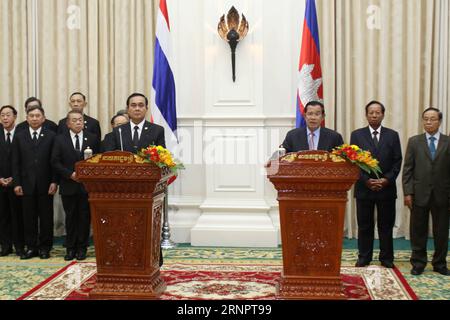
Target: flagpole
[(166, 242)]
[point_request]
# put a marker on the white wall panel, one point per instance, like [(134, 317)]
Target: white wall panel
[(227, 129)]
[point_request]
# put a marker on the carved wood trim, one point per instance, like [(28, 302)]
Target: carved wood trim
[(312, 192), (126, 199)]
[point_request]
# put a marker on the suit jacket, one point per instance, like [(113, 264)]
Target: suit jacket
[(63, 159), (48, 124), (90, 124), (5, 157), (108, 143), (31, 166), (389, 155), (297, 140), (152, 134), (422, 175)]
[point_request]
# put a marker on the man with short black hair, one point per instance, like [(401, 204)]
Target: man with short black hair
[(116, 121), (371, 191), (35, 181), (48, 124), (313, 136), (138, 133), (11, 220), (77, 101)]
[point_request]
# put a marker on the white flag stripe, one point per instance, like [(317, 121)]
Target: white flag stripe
[(163, 36), (171, 139)]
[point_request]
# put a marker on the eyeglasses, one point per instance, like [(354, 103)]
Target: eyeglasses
[(430, 119)]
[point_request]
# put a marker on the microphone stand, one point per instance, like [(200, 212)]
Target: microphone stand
[(120, 137), (166, 243)]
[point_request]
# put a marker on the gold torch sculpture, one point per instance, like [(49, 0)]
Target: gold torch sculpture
[(233, 30)]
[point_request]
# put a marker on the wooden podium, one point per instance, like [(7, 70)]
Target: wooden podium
[(126, 199), (312, 193)]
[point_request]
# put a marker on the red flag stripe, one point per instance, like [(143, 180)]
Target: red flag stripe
[(165, 12)]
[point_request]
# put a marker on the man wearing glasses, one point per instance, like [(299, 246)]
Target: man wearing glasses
[(426, 187)]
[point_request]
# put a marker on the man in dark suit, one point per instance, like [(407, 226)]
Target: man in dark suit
[(11, 220), (34, 180), (67, 150), (426, 187), (77, 102), (139, 133), (116, 121), (48, 124), (313, 137), (370, 191)]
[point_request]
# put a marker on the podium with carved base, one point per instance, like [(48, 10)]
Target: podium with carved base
[(126, 199), (312, 192)]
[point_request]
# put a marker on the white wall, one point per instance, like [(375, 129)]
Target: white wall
[(229, 130)]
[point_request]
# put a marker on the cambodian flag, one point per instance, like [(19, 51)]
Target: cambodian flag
[(310, 72), (163, 93)]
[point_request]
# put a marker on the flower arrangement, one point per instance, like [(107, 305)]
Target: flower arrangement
[(161, 157), (361, 158)]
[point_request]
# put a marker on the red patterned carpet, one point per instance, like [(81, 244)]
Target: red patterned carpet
[(225, 281)]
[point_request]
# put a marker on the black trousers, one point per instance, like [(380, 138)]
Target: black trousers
[(419, 234), (38, 221), (78, 219), (365, 213), (11, 220)]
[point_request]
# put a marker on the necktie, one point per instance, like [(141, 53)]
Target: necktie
[(311, 141), (35, 139), (432, 147), (8, 138), (136, 136), (77, 143), (375, 138)]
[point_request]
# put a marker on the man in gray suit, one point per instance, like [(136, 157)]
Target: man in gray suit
[(426, 187)]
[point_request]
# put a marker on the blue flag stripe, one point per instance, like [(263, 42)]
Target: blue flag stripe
[(311, 20), (164, 85)]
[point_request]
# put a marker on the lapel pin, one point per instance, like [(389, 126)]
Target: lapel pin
[(42, 134), (145, 128)]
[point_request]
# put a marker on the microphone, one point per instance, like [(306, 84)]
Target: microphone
[(121, 141), (281, 151)]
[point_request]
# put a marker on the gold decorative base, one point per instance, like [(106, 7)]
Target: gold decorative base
[(310, 288), (128, 288)]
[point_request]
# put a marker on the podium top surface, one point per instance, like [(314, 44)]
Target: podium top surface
[(115, 157), (119, 165), (314, 164)]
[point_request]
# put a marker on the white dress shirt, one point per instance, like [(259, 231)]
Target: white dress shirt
[(74, 140), (38, 132), (11, 132), (140, 125)]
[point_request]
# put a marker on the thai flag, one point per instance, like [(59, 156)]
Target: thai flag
[(310, 72), (163, 94)]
